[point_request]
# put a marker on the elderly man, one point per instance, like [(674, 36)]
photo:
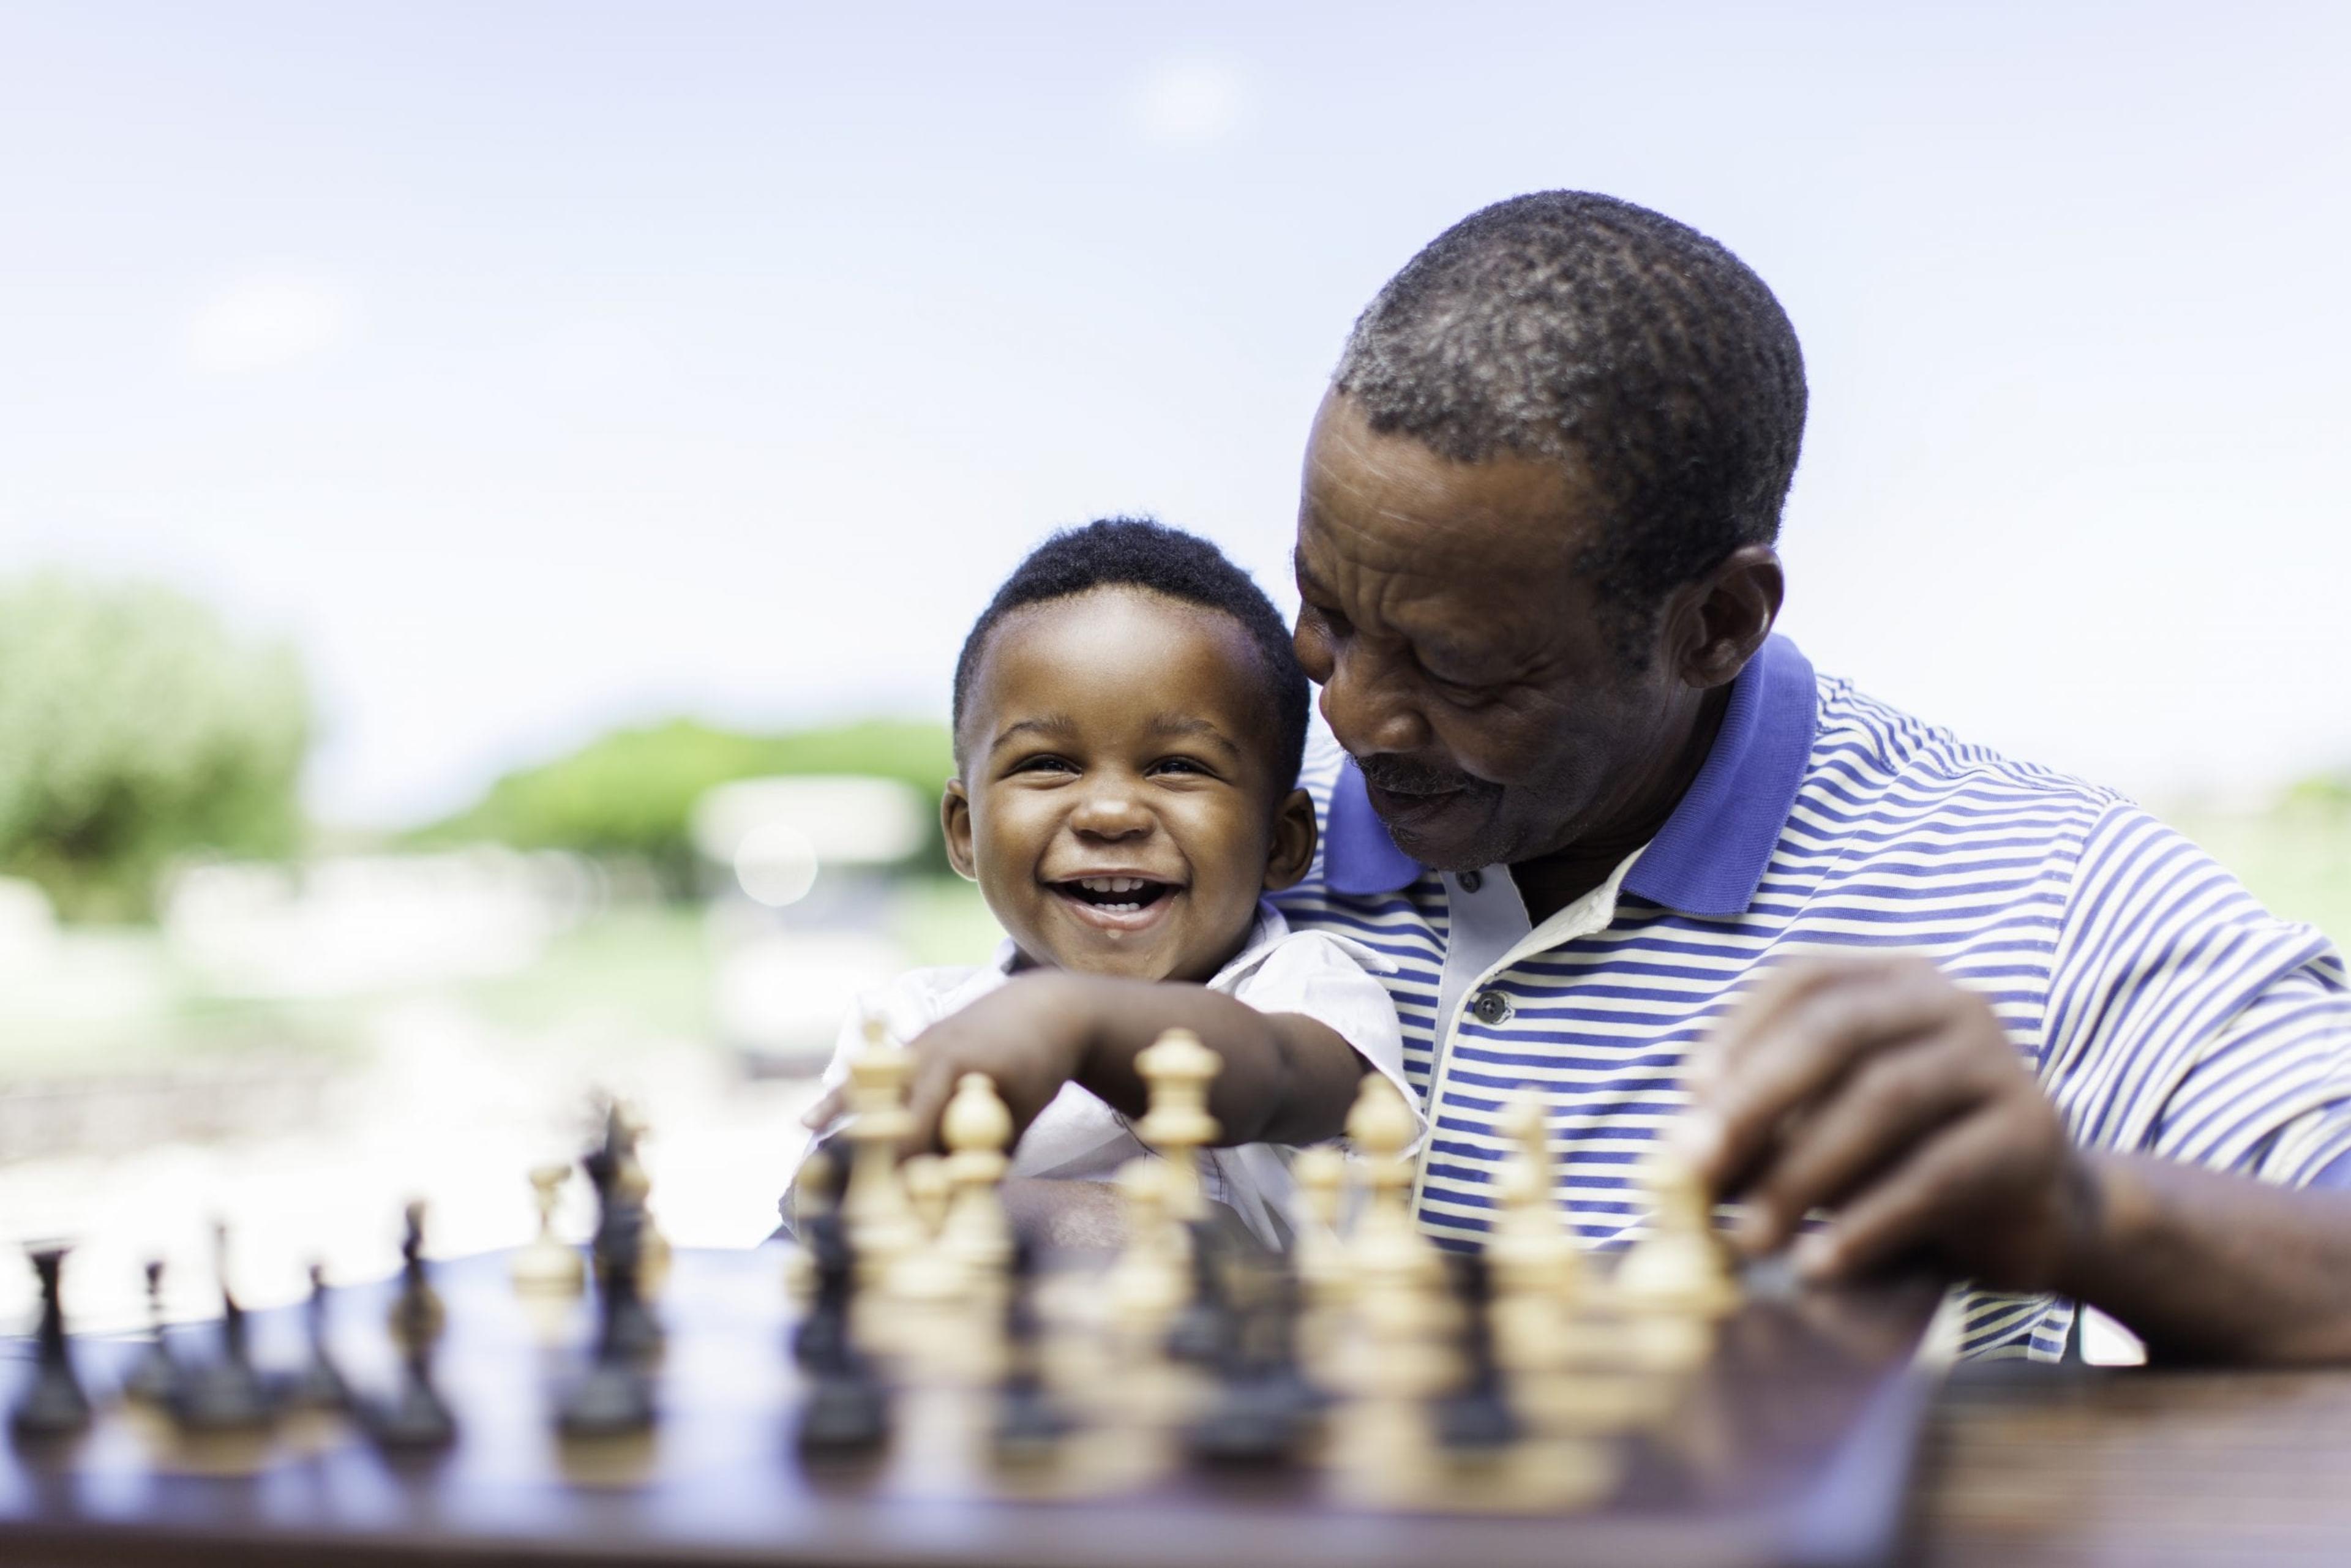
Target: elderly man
[(1904, 997)]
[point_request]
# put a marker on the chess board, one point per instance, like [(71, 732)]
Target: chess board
[(1791, 1445)]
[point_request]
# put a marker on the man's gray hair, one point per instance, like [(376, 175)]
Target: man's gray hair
[(1582, 328)]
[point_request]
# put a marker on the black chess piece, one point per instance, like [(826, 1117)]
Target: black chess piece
[(614, 1398), (225, 1395), (1477, 1418), (414, 1418), (319, 1384), (619, 1237), (1264, 1410), (846, 1414), (154, 1377), (1029, 1422), (52, 1406), (822, 1337), (1203, 1329)]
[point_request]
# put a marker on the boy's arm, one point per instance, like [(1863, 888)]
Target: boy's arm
[(1287, 1078)]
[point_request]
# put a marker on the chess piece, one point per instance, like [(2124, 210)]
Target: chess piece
[(52, 1406), (155, 1374), (615, 1398), (1387, 1244), (1679, 1266), (225, 1395), (1029, 1422), (1319, 1256), (846, 1413), (414, 1418), (928, 1189), (1530, 1249), (812, 1195), (1147, 1281), (1204, 1327), (1475, 1419), (629, 1182), (976, 1129), (619, 1243), (545, 1266), (1265, 1406), (1178, 1070), (881, 1224), (319, 1384)]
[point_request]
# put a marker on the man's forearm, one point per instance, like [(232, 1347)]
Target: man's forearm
[(1287, 1078), (2208, 1266)]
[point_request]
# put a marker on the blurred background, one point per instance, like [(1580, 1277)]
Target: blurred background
[(490, 495)]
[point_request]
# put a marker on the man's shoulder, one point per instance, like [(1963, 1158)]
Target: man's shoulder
[(1868, 752)]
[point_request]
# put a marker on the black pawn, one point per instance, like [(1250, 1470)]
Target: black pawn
[(846, 1414), (1477, 1418), (1029, 1422), (415, 1417), (319, 1384), (155, 1375), (1264, 1409), (52, 1405), (615, 1397), (1204, 1328), (225, 1393)]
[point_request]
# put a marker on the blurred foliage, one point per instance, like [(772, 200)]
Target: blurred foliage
[(631, 794), (133, 728)]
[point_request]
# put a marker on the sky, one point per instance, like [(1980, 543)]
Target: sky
[(536, 369)]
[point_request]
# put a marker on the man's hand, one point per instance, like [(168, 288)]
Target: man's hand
[(1880, 1090)]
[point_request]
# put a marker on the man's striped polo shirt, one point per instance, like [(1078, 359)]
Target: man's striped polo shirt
[(2164, 1010)]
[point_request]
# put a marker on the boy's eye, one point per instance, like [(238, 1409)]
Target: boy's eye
[(1179, 765), (1044, 765)]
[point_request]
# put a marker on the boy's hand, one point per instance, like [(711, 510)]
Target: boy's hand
[(1029, 1037)]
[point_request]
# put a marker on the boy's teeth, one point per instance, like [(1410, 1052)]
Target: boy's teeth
[(1111, 883)]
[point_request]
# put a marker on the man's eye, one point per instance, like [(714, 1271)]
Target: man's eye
[(1328, 621)]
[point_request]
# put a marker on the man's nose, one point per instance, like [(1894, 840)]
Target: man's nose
[(1369, 706), (1112, 809)]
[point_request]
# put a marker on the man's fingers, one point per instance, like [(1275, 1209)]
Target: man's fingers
[(1953, 1174), (1886, 1105), (1806, 1047)]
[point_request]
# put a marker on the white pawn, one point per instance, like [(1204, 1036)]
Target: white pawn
[(976, 1130), (1529, 1249), (546, 1267), (1679, 1266)]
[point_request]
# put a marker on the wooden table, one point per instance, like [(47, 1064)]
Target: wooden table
[(2136, 1467)]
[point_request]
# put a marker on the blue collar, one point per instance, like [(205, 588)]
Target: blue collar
[(1710, 855)]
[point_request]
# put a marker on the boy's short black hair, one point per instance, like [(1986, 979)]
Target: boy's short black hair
[(1136, 552)]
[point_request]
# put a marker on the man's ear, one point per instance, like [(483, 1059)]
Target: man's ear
[(955, 822), (1724, 617), (1293, 841)]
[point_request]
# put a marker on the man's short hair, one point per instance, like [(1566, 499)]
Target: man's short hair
[(1136, 552), (1578, 327)]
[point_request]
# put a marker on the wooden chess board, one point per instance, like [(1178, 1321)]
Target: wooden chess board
[(1794, 1444)]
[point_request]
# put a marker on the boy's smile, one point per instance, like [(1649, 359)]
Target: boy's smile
[(1117, 805)]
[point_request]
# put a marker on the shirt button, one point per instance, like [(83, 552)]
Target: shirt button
[(1492, 1007), (1471, 881)]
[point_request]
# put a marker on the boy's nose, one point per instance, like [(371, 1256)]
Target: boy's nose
[(1111, 813)]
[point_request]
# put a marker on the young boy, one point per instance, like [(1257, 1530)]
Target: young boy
[(1128, 717)]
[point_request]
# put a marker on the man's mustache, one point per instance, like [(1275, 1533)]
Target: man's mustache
[(1405, 776)]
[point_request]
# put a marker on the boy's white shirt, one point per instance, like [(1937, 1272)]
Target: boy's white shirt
[(1077, 1137)]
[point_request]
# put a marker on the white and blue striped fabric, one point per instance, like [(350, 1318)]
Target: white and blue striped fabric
[(2164, 1010)]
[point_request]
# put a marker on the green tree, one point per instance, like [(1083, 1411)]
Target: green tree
[(631, 792), (133, 727)]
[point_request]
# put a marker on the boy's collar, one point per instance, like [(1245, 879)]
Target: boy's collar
[(1710, 855)]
